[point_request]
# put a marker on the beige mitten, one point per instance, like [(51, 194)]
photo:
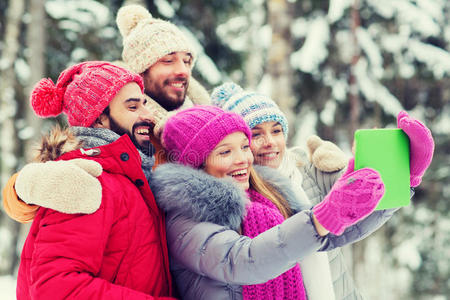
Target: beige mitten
[(325, 155), (68, 186)]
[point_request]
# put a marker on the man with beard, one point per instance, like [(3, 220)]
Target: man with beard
[(104, 236), (163, 56)]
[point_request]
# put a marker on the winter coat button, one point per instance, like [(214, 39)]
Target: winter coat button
[(139, 182), (124, 156)]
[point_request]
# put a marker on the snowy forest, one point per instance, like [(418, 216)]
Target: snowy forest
[(332, 66)]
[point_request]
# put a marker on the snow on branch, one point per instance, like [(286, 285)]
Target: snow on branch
[(374, 91), (436, 59), (81, 11), (314, 51), (371, 50), (204, 64), (337, 9), (422, 18)]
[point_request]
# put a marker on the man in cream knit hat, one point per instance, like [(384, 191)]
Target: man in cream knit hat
[(162, 54)]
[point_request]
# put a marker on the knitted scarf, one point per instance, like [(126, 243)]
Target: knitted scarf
[(95, 137), (261, 215), (315, 267)]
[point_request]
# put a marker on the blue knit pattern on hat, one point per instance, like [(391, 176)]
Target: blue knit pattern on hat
[(253, 107)]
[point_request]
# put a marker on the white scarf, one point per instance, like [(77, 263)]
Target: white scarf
[(315, 267)]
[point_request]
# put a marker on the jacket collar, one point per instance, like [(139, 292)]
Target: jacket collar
[(194, 194), (116, 157), (94, 137), (119, 157)]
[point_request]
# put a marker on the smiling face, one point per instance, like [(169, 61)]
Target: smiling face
[(268, 144), (167, 80), (231, 157), (128, 115)]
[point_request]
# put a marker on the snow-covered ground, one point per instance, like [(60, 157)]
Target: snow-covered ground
[(8, 287)]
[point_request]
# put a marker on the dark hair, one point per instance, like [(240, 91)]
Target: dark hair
[(105, 112)]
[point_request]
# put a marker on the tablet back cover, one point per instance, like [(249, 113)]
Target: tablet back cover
[(387, 151)]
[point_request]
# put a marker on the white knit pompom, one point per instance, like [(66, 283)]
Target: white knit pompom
[(129, 16), (223, 93)]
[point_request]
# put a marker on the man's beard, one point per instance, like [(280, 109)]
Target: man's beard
[(168, 103), (146, 147)]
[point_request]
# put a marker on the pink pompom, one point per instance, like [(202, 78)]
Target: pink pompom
[(46, 99)]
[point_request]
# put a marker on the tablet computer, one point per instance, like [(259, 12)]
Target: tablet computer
[(387, 151)]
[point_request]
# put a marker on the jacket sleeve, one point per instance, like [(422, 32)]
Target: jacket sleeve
[(361, 229), (222, 254), (323, 180), (14, 206), (365, 227), (68, 256), (354, 233)]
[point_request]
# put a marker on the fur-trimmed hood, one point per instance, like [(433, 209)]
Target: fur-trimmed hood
[(56, 143), (60, 141), (204, 198), (47, 184), (64, 140)]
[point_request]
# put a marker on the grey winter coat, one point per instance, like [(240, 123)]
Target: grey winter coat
[(316, 185), (209, 258)]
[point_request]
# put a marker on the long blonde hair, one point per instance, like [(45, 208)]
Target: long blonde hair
[(267, 190)]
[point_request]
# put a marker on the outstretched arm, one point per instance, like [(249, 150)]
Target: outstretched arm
[(223, 254)]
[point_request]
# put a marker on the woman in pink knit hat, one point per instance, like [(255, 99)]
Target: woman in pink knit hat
[(237, 231)]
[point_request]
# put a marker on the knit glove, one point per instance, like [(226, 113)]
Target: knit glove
[(158, 116), (66, 186), (421, 145), (325, 155), (353, 197)]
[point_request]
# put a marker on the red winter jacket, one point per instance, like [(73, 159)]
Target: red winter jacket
[(118, 252)]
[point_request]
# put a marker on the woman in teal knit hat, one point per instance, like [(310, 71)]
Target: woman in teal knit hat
[(324, 277)]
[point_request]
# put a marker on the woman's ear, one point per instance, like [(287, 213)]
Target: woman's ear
[(101, 122)]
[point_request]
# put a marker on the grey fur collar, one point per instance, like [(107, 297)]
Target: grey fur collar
[(204, 198)]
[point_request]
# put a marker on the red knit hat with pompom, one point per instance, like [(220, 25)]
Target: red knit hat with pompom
[(82, 91)]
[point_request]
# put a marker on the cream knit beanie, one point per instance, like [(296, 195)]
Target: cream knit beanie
[(146, 39)]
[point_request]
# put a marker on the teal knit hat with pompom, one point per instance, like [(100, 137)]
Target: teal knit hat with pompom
[(254, 108)]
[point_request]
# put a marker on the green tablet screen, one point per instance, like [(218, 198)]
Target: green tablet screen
[(387, 151)]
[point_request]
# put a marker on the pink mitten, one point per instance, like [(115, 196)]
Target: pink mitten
[(421, 146), (353, 197)]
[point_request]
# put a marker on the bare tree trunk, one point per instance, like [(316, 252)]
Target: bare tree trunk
[(255, 60), (359, 249), (366, 263), (278, 66), (353, 90), (8, 136), (8, 105), (36, 40)]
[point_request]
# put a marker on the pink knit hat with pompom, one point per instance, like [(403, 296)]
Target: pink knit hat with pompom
[(82, 91), (191, 134)]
